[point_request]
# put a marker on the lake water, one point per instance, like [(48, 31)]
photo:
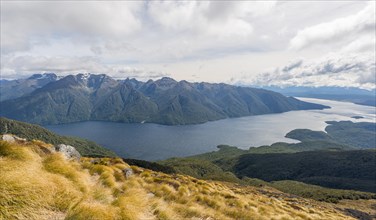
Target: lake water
[(155, 142)]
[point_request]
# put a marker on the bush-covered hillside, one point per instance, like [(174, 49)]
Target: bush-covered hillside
[(342, 169), (356, 135), (30, 132)]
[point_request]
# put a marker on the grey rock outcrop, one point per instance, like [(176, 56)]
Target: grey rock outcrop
[(8, 138), (128, 172), (11, 138), (68, 151)]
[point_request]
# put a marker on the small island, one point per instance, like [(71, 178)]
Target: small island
[(357, 117)]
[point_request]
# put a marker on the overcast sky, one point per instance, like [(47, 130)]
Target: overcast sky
[(240, 42)]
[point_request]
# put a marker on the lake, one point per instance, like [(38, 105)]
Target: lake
[(156, 142)]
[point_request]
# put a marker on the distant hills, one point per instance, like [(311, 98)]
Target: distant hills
[(85, 97), (354, 95), (10, 89)]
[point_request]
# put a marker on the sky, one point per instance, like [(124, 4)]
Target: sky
[(259, 43)]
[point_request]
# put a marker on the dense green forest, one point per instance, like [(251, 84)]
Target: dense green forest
[(342, 169)]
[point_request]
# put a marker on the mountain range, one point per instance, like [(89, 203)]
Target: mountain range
[(83, 97), (10, 89)]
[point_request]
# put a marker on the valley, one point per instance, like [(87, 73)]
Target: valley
[(139, 141), (187, 110), (331, 169)]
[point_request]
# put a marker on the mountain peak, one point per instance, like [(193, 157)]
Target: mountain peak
[(166, 82), (83, 76), (185, 84), (167, 79), (39, 76)]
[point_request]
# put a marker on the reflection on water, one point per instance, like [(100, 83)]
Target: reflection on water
[(154, 142)]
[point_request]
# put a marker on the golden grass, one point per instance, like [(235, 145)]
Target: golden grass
[(34, 181), (93, 210), (26, 189)]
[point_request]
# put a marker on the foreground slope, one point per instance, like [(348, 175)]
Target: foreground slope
[(85, 97), (37, 183)]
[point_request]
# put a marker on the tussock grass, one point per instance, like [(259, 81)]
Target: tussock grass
[(57, 164), (93, 210), (132, 203), (14, 151), (35, 181), (26, 189)]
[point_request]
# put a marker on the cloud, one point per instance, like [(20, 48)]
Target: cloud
[(101, 23), (345, 70), (25, 21), (219, 19), (340, 31), (361, 44), (24, 66), (154, 38), (292, 65)]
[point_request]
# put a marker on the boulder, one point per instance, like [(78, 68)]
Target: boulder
[(150, 195), (8, 138), (19, 139), (11, 138), (95, 161), (128, 172), (68, 151)]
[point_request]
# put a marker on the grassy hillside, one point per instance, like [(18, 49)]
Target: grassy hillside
[(200, 169), (30, 132), (36, 183), (150, 165), (210, 171), (319, 193), (311, 191)]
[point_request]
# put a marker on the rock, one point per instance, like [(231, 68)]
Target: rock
[(8, 138), (95, 161), (11, 138), (47, 150), (19, 139), (128, 172), (150, 195), (68, 151)]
